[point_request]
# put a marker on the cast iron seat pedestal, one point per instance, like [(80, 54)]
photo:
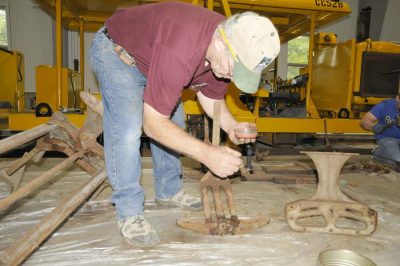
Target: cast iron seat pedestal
[(340, 213)]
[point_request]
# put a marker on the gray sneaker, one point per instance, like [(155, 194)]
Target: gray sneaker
[(138, 232), (181, 199)]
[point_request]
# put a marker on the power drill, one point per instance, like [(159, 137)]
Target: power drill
[(247, 133)]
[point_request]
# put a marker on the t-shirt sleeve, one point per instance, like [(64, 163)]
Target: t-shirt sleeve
[(167, 77), (379, 111)]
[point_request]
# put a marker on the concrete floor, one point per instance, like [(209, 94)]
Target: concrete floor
[(90, 236)]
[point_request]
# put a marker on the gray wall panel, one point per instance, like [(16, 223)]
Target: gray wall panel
[(74, 53), (346, 27), (390, 30), (377, 16), (32, 34)]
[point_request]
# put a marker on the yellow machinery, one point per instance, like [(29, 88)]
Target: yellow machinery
[(47, 95), (292, 18), (349, 78), (11, 81)]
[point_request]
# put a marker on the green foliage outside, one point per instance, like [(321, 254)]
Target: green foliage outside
[(297, 54), (3, 28), (293, 71)]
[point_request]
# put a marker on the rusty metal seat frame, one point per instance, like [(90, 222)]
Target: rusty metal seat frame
[(329, 209), (216, 222)]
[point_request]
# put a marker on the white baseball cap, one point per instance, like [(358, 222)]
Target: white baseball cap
[(254, 43)]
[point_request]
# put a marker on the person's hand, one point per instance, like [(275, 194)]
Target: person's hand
[(223, 161), (237, 133), (378, 129)]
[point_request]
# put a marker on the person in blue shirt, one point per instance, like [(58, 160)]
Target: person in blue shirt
[(382, 120)]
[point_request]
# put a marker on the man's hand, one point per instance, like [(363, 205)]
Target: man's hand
[(241, 139), (223, 161), (378, 128)]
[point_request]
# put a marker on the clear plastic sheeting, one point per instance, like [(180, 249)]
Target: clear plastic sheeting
[(91, 237)]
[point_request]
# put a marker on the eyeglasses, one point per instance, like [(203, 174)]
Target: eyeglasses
[(222, 32)]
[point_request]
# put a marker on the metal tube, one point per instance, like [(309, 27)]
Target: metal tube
[(226, 8), (21, 161), (58, 51), (210, 4), (82, 53), (37, 182), (20, 250), (16, 140)]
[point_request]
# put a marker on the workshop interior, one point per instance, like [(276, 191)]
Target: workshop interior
[(309, 192)]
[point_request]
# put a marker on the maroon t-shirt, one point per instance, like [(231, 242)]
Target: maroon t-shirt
[(169, 42)]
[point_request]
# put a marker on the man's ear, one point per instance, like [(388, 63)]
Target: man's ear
[(219, 44)]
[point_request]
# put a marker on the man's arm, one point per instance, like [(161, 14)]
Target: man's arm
[(368, 121), (222, 161)]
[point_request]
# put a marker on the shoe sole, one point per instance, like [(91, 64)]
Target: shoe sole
[(169, 204), (141, 245)]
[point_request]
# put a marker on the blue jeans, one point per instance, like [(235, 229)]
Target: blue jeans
[(388, 151), (122, 88)]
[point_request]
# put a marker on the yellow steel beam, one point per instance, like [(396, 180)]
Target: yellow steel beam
[(58, 50), (190, 103), (100, 18), (237, 108), (310, 63), (72, 6), (309, 125), (226, 8), (96, 11), (210, 4), (279, 20)]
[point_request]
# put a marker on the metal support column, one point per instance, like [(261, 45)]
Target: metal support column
[(310, 62), (82, 53), (58, 51)]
